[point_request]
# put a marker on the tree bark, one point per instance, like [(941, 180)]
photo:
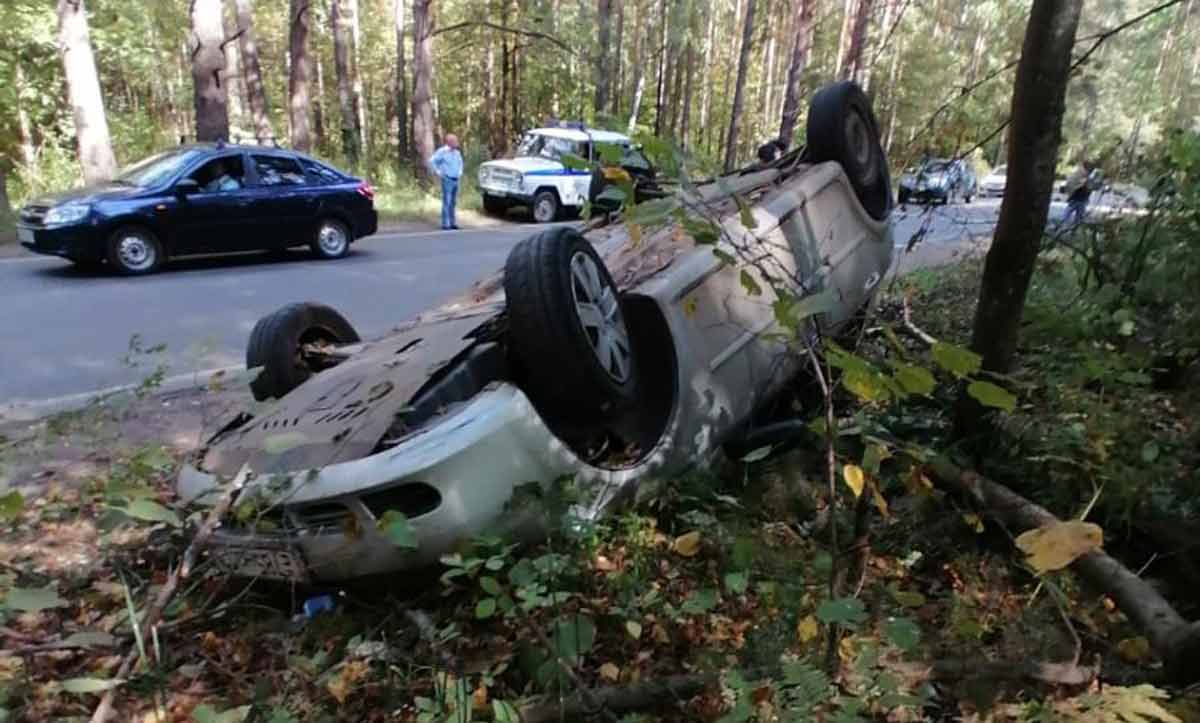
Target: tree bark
[(844, 36), (705, 63), (208, 60), (24, 127), (235, 90), (6, 209), (739, 90), (618, 64), (299, 17), (339, 21), (852, 64), (422, 97), (401, 88), (639, 72), (252, 72), (357, 97), (660, 98), (83, 88), (768, 73), (685, 120), (801, 51), (1035, 133), (601, 68), (318, 106)]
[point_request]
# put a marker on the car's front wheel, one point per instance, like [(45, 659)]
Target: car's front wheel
[(545, 206), (842, 127), (278, 341), (567, 328), (134, 250), (331, 239)]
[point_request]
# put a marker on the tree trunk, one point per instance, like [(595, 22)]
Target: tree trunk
[(252, 72), (235, 86), (6, 209), (705, 63), (844, 36), (685, 121), (642, 42), (618, 64), (601, 69), (401, 89), (208, 60), (351, 131), (768, 74), (24, 128), (1035, 132), (319, 104), (299, 17), (739, 90), (660, 97), (357, 97), (852, 65), (422, 97), (83, 87), (801, 51)]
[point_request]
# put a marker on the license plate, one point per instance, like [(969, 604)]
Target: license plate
[(25, 235), (280, 562)]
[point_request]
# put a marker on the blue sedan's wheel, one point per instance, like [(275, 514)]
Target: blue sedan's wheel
[(331, 240), (133, 250)]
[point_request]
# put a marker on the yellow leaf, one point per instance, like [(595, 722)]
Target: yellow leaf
[(1058, 544), (343, 683), (687, 544), (1134, 650), (689, 307), (973, 521), (480, 697), (635, 234), (609, 671), (808, 629), (917, 483), (854, 478), (880, 503)]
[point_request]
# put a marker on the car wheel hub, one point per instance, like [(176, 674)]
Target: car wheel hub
[(599, 313), (135, 252), (545, 210), (331, 239), (859, 138)]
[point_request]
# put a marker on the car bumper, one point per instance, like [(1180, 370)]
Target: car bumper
[(516, 196), (475, 459), (74, 242), (926, 194)]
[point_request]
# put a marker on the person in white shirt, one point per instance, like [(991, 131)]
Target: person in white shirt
[(447, 164)]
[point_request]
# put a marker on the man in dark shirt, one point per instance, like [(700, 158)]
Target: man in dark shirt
[(1079, 190)]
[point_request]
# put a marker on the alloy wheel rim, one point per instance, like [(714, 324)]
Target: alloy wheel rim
[(599, 312), (135, 252), (331, 239), (544, 210), (859, 138)]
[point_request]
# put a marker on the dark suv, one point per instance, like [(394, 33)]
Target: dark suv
[(202, 199)]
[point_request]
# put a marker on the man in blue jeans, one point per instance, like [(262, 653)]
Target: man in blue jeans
[(447, 164)]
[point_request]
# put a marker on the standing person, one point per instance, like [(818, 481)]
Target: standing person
[(1078, 190), (447, 164)]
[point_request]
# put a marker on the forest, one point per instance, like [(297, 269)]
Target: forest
[(982, 503)]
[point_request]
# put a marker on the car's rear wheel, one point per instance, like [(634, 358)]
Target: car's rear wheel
[(277, 344), (567, 328), (842, 128), (494, 205), (545, 206), (134, 250), (331, 239)]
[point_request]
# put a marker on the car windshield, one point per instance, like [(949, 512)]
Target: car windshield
[(156, 169), (1000, 170), (551, 147), (936, 167)]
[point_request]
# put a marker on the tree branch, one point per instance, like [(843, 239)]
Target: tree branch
[(504, 29)]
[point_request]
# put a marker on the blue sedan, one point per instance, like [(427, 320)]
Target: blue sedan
[(204, 198)]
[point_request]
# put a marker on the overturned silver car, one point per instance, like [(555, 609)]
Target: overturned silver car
[(605, 357)]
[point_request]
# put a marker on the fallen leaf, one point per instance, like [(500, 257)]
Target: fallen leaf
[(853, 475), (1057, 545), (341, 685), (610, 672), (687, 544), (634, 628), (973, 521), (32, 599), (90, 685), (480, 697), (808, 629), (917, 483), (689, 307), (1135, 650)]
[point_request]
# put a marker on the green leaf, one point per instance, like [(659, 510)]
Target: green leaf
[(633, 628), (208, 714), (504, 712), (737, 582), (958, 361), (914, 379), (32, 600), (699, 602), (573, 637), (789, 312), (867, 385), (281, 715), (90, 685), (725, 257), (749, 284), (847, 611), (90, 639), (990, 395), (610, 153), (485, 608), (280, 443), (574, 162), (522, 573), (395, 527), (903, 633), (745, 215), (150, 511), (654, 212), (757, 455), (11, 506), (701, 230), (490, 585)]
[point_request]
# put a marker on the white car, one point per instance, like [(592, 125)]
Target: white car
[(993, 183), (538, 179), (605, 358)]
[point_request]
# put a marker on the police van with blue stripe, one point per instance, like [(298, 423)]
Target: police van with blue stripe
[(538, 179)]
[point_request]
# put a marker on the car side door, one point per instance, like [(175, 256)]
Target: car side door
[(283, 200), (213, 216)]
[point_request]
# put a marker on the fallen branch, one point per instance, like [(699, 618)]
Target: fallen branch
[(154, 612), (912, 328), (1051, 673), (1175, 640), (640, 696)]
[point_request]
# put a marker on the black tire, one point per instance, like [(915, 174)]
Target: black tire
[(545, 207), (275, 345), (330, 239), (134, 251), (842, 128), (559, 357), (495, 205)]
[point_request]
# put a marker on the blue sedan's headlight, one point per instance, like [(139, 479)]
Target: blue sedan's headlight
[(70, 213)]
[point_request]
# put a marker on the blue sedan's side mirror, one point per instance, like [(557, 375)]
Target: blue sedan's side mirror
[(187, 186)]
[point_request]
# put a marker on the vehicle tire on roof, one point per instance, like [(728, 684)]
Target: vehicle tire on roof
[(330, 239), (277, 340), (842, 128), (566, 327), (135, 250), (545, 207)]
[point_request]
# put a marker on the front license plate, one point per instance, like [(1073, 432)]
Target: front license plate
[(282, 562), (25, 235)]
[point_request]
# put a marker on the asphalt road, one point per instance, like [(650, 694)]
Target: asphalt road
[(66, 332)]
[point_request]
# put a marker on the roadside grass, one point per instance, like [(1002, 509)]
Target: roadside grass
[(408, 202), (8, 228)]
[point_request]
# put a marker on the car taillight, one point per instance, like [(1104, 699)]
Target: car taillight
[(367, 190)]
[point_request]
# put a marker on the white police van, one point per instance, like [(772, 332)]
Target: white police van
[(537, 177)]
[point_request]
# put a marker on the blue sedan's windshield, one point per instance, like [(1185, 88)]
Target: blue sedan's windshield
[(156, 169)]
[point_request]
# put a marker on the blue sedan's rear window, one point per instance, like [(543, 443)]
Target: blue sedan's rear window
[(321, 173)]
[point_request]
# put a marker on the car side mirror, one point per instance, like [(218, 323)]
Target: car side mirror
[(187, 186)]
